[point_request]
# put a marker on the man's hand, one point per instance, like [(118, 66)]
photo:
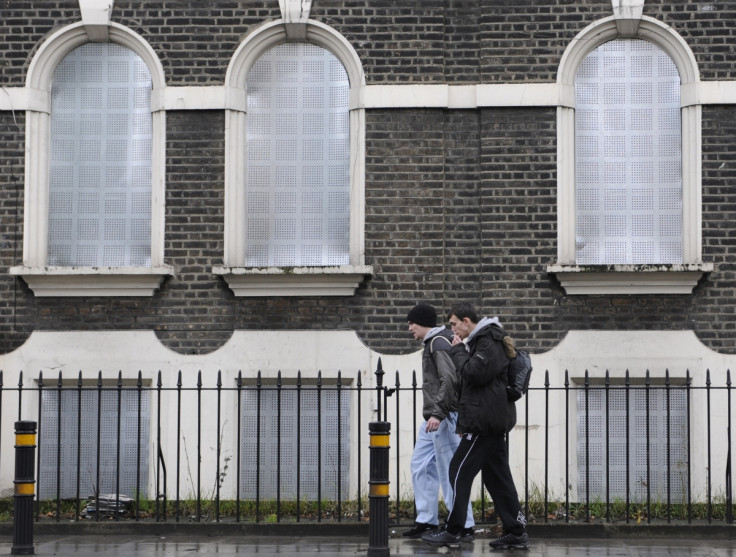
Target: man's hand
[(433, 424), (456, 339)]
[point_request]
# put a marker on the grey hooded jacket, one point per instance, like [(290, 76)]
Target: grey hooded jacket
[(439, 380)]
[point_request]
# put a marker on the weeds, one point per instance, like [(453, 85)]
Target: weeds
[(271, 511)]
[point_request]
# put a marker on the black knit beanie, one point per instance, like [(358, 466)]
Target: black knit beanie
[(423, 314)]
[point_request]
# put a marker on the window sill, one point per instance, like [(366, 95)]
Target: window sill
[(93, 281), (294, 281), (629, 279)]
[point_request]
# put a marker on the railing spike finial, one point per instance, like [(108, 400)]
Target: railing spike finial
[(379, 374)]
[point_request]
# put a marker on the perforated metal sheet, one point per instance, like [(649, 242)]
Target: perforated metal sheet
[(304, 427), (617, 462), (108, 427), (628, 175), (100, 169), (298, 156)]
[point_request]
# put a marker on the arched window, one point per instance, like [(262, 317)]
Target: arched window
[(95, 167), (298, 158), (628, 162), (295, 166), (100, 164), (628, 180)]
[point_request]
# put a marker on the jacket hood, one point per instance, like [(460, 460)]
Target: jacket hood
[(482, 324), (433, 332)]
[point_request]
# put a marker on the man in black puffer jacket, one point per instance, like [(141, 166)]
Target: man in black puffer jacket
[(484, 417)]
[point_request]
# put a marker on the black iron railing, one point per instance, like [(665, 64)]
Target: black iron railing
[(633, 448)]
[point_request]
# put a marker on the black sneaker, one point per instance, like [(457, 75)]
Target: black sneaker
[(467, 535), (511, 541), (419, 529), (442, 537)]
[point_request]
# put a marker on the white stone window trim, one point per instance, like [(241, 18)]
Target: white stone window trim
[(291, 281), (630, 279), (46, 280)]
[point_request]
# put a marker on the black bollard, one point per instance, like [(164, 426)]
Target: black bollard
[(25, 451), (378, 495)]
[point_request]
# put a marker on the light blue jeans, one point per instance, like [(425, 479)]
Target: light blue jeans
[(430, 470)]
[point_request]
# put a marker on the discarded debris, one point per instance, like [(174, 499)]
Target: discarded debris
[(109, 506)]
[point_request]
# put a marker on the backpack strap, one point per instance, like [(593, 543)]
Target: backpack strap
[(439, 342)]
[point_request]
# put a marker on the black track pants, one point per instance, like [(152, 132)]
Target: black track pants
[(487, 454)]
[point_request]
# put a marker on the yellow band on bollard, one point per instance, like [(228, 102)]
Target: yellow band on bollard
[(379, 440), (24, 488), (25, 439), (379, 490)]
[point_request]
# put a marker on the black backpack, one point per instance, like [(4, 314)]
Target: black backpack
[(520, 369)]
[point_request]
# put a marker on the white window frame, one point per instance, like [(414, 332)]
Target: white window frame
[(630, 279), (47, 280), (291, 281)]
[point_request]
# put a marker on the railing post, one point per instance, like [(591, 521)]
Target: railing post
[(378, 493), (25, 450)]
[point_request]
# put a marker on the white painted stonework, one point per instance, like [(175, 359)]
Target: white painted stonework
[(330, 352)]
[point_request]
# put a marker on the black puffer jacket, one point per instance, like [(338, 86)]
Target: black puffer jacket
[(483, 368)]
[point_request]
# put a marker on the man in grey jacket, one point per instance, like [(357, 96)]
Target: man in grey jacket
[(437, 441)]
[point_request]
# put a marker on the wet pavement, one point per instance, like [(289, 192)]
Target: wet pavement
[(181, 544)]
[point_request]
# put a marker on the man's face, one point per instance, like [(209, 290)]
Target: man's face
[(461, 327), (419, 331)]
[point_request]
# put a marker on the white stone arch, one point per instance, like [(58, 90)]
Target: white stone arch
[(336, 281), (74, 281), (685, 275)]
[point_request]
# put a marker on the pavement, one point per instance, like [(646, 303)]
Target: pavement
[(144, 543), (268, 546)]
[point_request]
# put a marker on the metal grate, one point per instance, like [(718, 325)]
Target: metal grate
[(300, 421), (66, 463), (593, 474)]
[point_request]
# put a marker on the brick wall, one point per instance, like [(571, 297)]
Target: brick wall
[(460, 204)]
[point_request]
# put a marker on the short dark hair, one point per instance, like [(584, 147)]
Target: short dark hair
[(461, 310)]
